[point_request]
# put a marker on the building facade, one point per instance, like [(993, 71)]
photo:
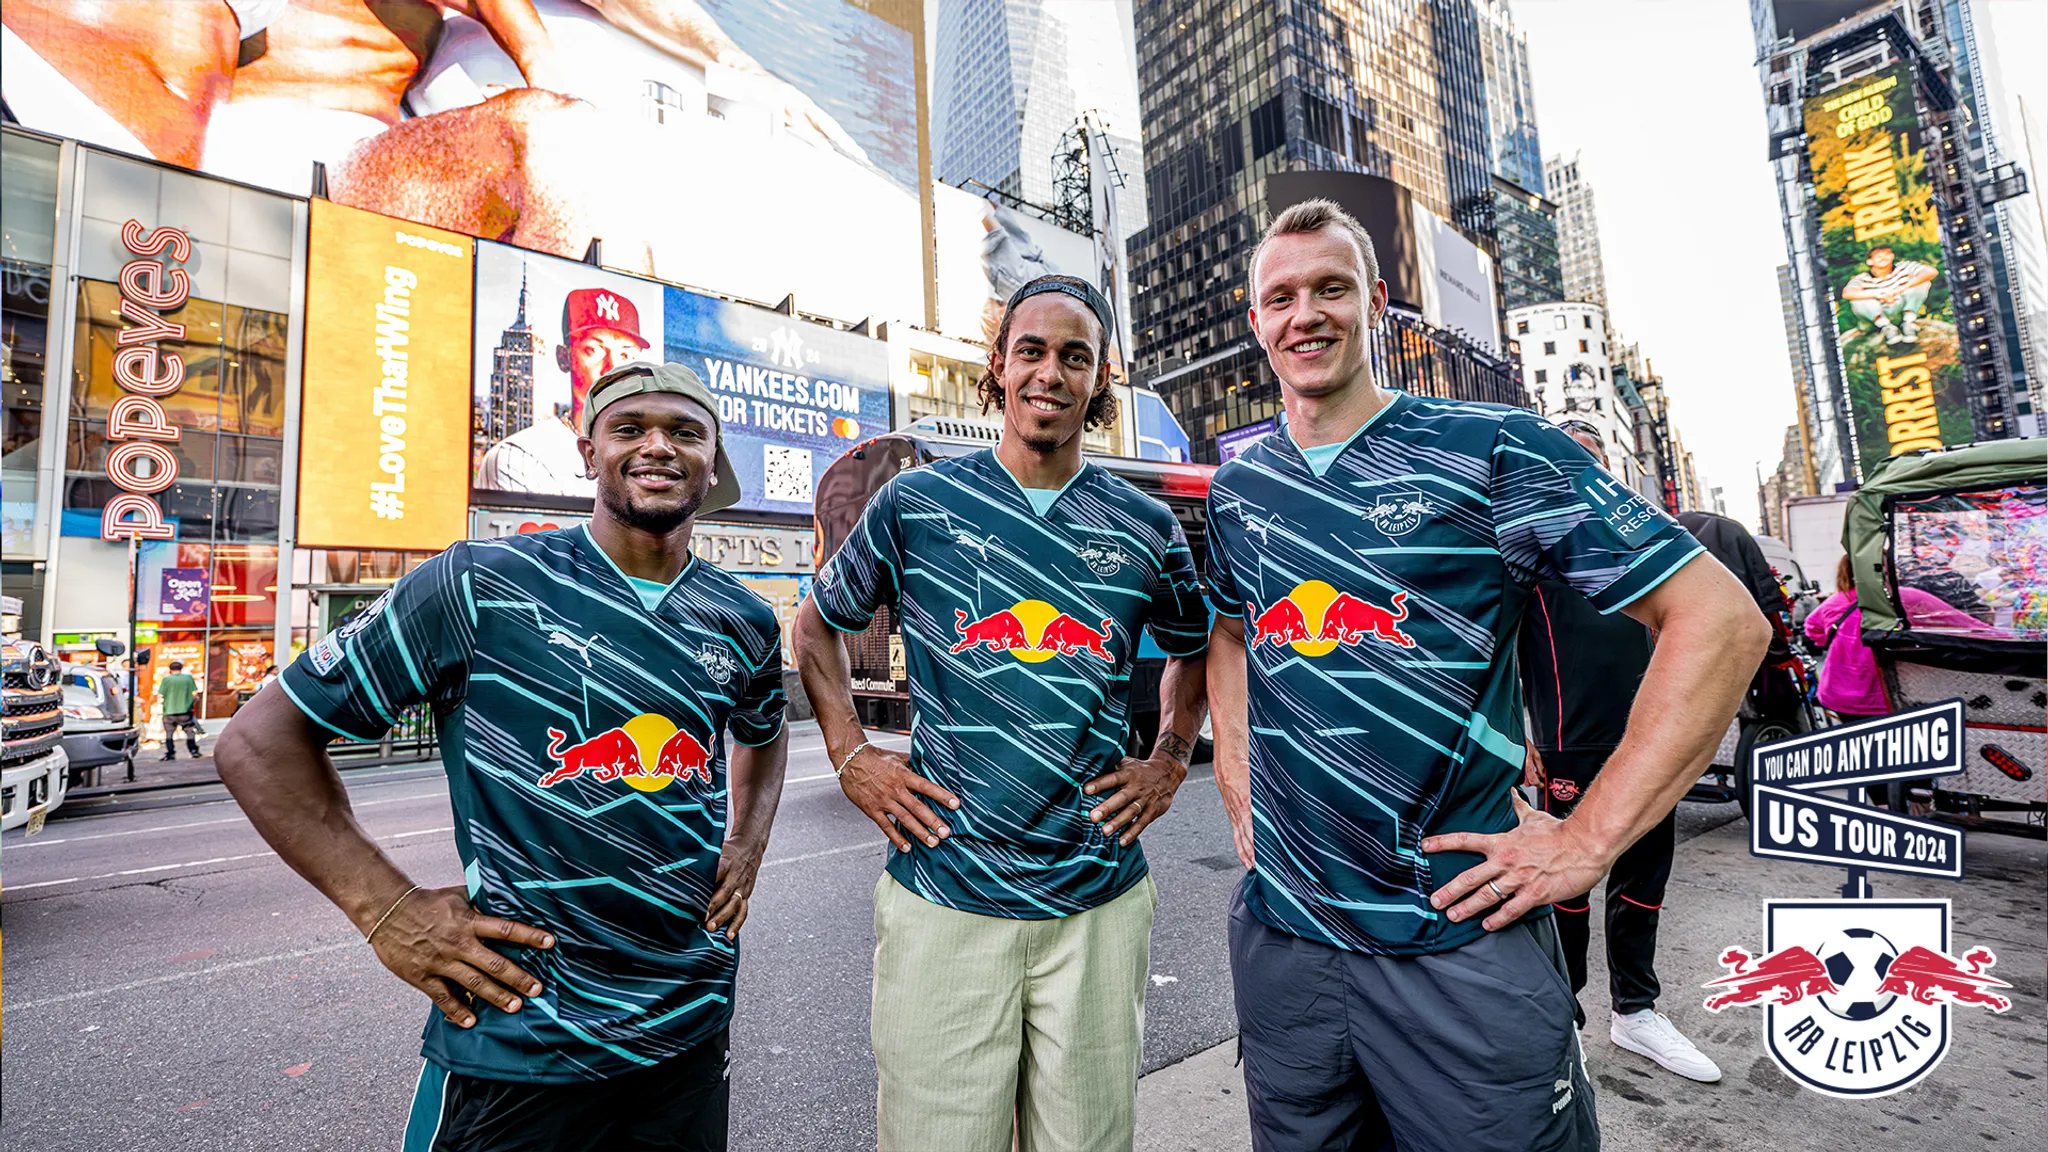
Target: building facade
[(1515, 148), (1235, 92), (1985, 247), (1530, 272), (1578, 232), (1569, 375)]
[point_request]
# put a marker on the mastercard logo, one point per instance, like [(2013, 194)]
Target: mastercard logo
[(845, 428)]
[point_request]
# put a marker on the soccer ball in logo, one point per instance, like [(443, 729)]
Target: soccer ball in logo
[(1856, 960)]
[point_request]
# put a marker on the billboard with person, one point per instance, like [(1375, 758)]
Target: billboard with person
[(793, 395), (722, 143), (1881, 239)]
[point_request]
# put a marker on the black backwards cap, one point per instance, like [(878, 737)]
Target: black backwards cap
[(1065, 285)]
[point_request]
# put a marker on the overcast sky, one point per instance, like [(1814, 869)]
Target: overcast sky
[(1661, 100)]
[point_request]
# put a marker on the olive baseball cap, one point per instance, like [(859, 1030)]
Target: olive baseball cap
[(641, 376)]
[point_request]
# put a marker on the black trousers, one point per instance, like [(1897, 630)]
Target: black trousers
[(174, 722), (1635, 893)]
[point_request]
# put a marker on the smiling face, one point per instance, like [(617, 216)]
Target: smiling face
[(654, 455), (1050, 368), (1312, 309), (1880, 261)]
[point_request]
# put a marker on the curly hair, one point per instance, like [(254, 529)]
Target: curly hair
[(1102, 407)]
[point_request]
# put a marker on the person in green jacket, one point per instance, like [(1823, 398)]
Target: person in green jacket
[(177, 692)]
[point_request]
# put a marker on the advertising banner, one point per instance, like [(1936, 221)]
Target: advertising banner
[(757, 149), (385, 435), (986, 251), (793, 395), (1881, 240), (1231, 442), (183, 593)]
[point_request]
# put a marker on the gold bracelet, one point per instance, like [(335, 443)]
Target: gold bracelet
[(372, 933)]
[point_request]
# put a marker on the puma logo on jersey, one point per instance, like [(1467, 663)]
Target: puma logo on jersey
[(980, 546), (1260, 528), (582, 647)]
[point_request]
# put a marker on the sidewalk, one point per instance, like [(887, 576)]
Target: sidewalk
[(1988, 1092)]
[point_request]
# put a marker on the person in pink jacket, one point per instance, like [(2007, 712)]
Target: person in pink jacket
[(1850, 685)]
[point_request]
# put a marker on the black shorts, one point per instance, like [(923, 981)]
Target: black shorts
[(1471, 1050), (679, 1105)]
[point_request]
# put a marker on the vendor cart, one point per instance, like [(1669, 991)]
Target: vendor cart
[(1950, 554)]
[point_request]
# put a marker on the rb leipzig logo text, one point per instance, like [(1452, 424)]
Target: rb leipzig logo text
[(1315, 618), (1856, 993), (1032, 631), (648, 752)]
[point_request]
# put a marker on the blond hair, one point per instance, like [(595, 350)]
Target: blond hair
[(1314, 216)]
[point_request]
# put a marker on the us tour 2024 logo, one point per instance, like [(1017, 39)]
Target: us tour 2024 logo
[(1858, 995)]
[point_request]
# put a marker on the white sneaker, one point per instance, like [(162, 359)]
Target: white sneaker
[(1648, 1033)]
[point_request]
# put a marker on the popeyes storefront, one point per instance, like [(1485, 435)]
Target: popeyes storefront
[(169, 421)]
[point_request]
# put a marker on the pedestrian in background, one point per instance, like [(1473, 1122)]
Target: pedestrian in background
[(1397, 971), (1849, 683), (1580, 672), (176, 693), (1014, 922)]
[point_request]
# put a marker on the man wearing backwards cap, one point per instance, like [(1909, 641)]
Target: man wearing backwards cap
[(600, 331), (583, 680), (1014, 921)]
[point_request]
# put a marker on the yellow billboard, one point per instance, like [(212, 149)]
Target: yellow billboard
[(384, 444)]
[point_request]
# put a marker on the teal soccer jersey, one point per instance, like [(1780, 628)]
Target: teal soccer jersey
[(1381, 593), (1018, 632), (583, 738)]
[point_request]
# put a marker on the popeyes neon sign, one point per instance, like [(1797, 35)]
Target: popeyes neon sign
[(137, 421)]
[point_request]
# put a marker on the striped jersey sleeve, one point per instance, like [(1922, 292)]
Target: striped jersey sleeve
[(756, 716), (1179, 621), (1224, 595), (866, 572), (410, 646), (1557, 514)]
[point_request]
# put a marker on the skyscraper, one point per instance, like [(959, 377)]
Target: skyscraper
[(1009, 79), (511, 401), (1957, 178), (1529, 266), (1513, 146), (1394, 88), (1578, 232)]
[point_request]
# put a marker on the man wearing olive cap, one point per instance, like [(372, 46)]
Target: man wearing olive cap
[(584, 681)]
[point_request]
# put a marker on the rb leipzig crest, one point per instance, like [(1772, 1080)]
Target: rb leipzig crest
[(1857, 994)]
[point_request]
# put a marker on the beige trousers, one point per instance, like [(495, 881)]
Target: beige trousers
[(985, 1025)]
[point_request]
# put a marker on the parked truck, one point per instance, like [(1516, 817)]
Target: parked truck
[(33, 766), (1813, 530)]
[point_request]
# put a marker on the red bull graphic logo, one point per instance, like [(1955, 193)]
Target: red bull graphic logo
[(1315, 618), (648, 752), (1856, 993), (1032, 631)]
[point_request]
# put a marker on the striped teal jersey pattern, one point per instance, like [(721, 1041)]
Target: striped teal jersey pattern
[(1380, 602), (1018, 632), (583, 737)]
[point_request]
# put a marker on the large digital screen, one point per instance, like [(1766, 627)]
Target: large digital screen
[(387, 368), (1881, 240), (753, 147), (792, 395)]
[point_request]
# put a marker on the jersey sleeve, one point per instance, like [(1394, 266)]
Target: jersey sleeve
[(756, 716), (867, 571), (411, 646), (1558, 514), (1179, 618), (1224, 594)]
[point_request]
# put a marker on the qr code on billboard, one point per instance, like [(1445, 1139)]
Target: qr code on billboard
[(786, 473)]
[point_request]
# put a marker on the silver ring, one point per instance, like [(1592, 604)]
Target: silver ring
[(1496, 890)]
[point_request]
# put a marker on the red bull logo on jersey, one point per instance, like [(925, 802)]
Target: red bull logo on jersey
[(647, 753), (1857, 993), (1315, 619), (1033, 631)]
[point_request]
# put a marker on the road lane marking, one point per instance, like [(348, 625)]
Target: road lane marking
[(176, 976), (826, 852), (39, 842), (193, 863)]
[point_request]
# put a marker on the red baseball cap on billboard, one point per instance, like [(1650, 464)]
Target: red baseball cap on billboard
[(587, 308)]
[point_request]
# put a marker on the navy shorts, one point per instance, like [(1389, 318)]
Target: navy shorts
[(1470, 1050), (678, 1105)]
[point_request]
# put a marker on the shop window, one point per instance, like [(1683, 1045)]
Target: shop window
[(24, 327)]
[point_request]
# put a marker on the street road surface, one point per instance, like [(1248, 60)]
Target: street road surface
[(172, 985)]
